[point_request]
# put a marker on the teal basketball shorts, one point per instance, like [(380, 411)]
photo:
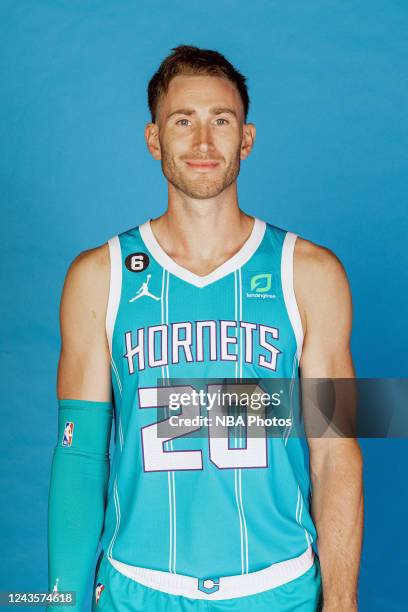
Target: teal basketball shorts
[(116, 592)]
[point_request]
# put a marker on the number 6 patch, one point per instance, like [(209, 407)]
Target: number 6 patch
[(137, 262)]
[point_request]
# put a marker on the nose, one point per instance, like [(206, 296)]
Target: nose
[(203, 138)]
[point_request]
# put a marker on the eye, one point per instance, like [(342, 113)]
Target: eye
[(221, 119), (180, 122)]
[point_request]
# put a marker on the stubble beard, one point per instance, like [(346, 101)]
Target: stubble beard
[(203, 186)]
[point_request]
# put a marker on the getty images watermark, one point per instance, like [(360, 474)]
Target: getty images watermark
[(276, 407), (217, 397)]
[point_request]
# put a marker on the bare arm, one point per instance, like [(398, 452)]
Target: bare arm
[(335, 463), (83, 370)]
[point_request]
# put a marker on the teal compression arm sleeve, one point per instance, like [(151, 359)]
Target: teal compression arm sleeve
[(77, 494)]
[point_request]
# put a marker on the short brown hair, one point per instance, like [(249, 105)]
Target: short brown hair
[(189, 60)]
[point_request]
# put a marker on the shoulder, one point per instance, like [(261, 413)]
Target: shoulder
[(320, 280), (88, 276), (312, 259), (92, 260)]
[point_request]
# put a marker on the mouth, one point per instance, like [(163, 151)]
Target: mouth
[(202, 165)]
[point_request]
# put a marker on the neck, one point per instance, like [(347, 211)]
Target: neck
[(203, 232)]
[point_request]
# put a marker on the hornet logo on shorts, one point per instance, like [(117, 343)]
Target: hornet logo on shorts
[(68, 433), (144, 290), (208, 585), (98, 591)]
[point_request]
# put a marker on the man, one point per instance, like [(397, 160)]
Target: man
[(192, 524)]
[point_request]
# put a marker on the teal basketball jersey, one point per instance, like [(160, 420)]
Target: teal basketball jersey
[(190, 504)]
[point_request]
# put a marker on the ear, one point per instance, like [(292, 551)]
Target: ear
[(152, 139), (248, 139)]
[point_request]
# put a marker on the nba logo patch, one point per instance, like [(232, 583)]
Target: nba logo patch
[(68, 433), (98, 591)]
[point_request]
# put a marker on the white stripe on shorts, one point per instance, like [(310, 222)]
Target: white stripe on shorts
[(229, 587)]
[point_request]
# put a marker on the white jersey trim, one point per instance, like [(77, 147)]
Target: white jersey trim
[(115, 287), (229, 587), (232, 264), (288, 289)]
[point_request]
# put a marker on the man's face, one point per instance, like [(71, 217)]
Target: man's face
[(200, 135)]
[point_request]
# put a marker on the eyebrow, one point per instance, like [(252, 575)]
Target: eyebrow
[(217, 110)]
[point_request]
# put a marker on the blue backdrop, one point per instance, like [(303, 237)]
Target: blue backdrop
[(328, 85)]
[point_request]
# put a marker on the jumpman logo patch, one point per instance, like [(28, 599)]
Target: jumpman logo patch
[(144, 291)]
